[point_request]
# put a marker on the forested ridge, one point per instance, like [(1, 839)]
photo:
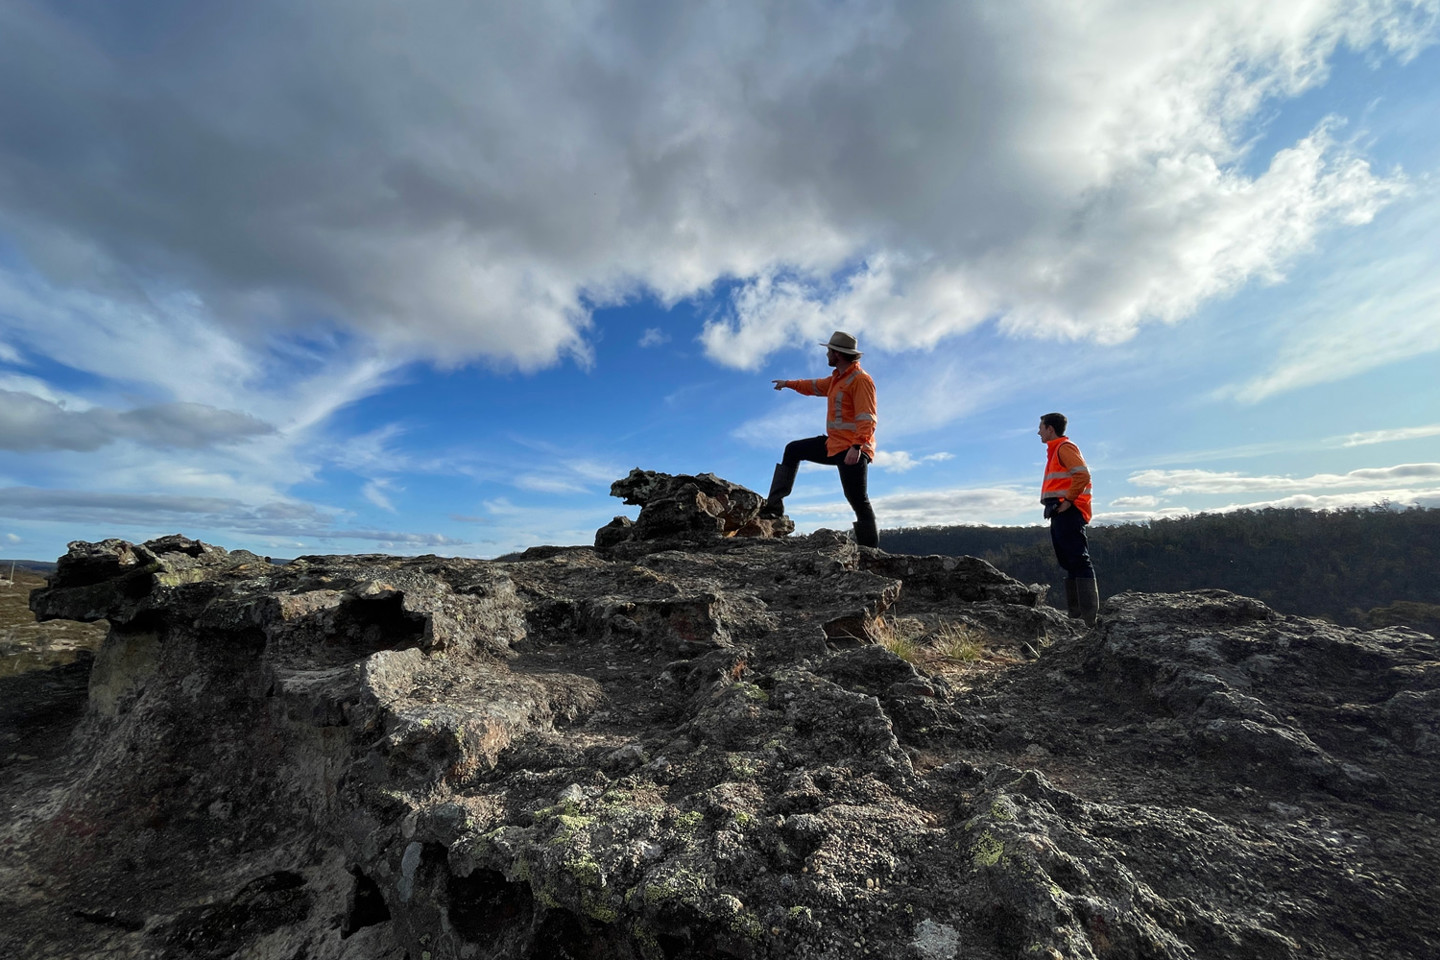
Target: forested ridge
[(1365, 567)]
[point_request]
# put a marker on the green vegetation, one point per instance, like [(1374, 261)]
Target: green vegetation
[(1361, 567)]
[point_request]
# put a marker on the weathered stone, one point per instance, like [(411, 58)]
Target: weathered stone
[(641, 751), (676, 511)]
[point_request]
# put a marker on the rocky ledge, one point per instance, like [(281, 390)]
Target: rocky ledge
[(693, 741)]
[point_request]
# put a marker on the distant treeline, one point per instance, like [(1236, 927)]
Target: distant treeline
[(1364, 567), (45, 567)]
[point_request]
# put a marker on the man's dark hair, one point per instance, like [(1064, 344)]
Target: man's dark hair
[(1056, 422)]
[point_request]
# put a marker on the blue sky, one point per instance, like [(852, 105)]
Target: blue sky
[(355, 277)]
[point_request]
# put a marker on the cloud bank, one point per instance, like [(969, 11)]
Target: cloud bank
[(28, 422), (461, 181)]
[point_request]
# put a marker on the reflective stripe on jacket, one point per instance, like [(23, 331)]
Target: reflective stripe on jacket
[(849, 409), (1066, 475)]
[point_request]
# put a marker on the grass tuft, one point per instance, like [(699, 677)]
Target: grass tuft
[(899, 641), (949, 645), (958, 643)]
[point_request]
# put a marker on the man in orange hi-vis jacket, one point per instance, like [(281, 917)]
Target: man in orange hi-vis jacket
[(849, 440), (1065, 492)]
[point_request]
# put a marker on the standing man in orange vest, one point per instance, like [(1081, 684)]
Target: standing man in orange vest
[(1065, 493), (849, 440)]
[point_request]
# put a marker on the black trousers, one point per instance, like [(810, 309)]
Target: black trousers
[(1067, 534), (854, 478)]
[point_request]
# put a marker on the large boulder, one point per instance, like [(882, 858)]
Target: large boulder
[(680, 511)]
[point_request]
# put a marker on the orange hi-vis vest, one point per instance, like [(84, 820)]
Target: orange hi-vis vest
[(850, 408), (1066, 476)]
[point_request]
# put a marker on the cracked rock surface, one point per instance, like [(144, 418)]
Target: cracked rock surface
[(645, 751)]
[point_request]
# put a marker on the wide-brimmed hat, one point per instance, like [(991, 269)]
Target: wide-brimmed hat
[(842, 342)]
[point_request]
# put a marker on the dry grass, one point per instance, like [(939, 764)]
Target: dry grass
[(905, 647), (959, 643), (27, 645), (951, 647)]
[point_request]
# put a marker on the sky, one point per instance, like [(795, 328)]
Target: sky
[(354, 276)]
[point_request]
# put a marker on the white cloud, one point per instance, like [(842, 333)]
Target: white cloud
[(376, 492), (1389, 436), (899, 461), (371, 452), (926, 507), (22, 383), (794, 420), (541, 483), (915, 394), (14, 538), (1382, 308), (570, 475), (29, 422), (460, 182), (392, 539), (654, 337), (150, 515), (1166, 239), (1341, 501), (1139, 502), (1182, 482), (1140, 516)]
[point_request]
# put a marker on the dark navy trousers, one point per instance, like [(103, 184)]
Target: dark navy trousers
[(1067, 533)]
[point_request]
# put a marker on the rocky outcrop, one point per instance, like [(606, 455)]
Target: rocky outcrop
[(683, 511), (649, 752)]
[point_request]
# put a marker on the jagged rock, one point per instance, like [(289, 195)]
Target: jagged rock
[(703, 753), (680, 511)]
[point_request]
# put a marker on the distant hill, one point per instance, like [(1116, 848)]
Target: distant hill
[(44, 567), (1362, 567)]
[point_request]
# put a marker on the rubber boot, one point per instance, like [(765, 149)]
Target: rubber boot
[(1089, 596), (1072, 598), (867, 533), (780, 486)]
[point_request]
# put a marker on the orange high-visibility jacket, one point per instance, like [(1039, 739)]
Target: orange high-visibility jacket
[(1066, 476), (850, 408)]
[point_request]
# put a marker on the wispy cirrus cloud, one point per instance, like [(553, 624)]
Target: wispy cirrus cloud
[(1383, 308), (378, 493), (1395, 435), (1141, 502), (900, 461), (570, 475), (1181, 482)]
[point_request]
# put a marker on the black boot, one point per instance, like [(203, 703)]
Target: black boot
[(866, 533), (1072, 598), (780, 486), (1089, 597)]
